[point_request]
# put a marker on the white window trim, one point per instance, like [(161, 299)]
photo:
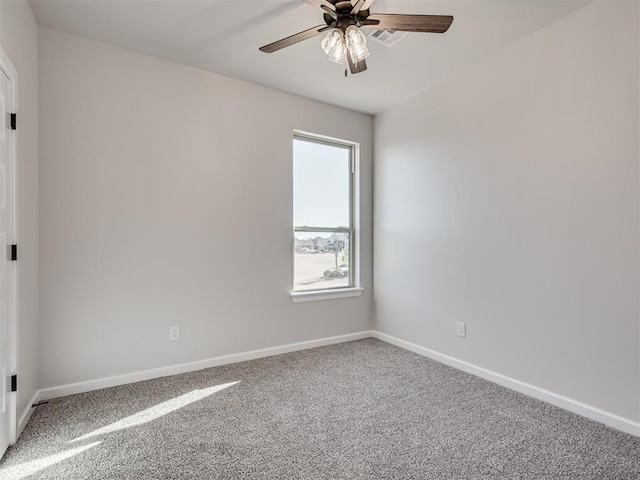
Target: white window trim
[(356, 290), (330, 294)]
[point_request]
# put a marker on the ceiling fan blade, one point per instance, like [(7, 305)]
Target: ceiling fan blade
[(328, 11), (367, 4), (320, 3), (412, 23), (357, 7), (293, 39), (361, 66)]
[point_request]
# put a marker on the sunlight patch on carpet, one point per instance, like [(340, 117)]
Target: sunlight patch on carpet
[(27, 469), (157, 411)]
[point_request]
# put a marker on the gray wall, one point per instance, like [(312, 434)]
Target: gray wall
[(166, 199), (507, 198), (19, 39)]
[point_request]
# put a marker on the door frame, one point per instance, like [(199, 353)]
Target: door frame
[(12, 268)]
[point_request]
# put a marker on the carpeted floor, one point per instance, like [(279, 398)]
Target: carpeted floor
[(358, 410)]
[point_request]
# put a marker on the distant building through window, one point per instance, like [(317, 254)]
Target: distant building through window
[(323, 213)]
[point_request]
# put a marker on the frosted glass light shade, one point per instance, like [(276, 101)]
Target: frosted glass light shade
[(356, 44), (334, 46)]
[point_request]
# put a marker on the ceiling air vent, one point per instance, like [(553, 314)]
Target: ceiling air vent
[(387, 37)]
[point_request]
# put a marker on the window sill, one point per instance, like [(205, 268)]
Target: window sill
[(312, 296)]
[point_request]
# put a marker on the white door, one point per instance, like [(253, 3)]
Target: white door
[(7, 267)]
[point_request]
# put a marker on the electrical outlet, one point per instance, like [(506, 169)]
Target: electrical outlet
[(461, 329), (174, 333)]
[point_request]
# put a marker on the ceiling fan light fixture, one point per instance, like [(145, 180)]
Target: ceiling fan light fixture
[(334, 46), (345, 43), (356, 44)]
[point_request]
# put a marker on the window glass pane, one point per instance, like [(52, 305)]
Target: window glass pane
[(322, 260), (321, 176)]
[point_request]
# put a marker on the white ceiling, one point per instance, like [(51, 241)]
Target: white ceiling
[(223, 36)]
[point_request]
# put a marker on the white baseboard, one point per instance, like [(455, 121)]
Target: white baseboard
[(26, 415), (610, 419), (106, 382)]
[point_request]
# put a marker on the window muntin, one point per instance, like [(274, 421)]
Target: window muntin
[(323, 214)]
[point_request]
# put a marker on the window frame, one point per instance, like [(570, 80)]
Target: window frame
[(353, 288)]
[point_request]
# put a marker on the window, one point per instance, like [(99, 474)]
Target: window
[(324, 214)]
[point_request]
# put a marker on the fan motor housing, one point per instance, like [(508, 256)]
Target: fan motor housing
[(343, 5), (343, 10)]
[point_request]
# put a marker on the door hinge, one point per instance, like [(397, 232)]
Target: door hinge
[(14, 383), (14, 253), (14, 121)]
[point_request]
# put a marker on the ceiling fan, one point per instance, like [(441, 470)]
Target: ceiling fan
[(345, 43)]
